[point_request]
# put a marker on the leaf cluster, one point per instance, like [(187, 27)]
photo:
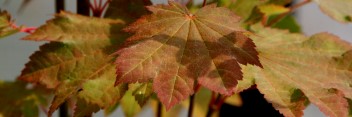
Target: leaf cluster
[(137, 55)]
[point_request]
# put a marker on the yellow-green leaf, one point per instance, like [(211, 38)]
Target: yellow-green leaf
[(272, 9)]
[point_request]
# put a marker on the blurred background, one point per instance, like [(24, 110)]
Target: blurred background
[(14, 53)]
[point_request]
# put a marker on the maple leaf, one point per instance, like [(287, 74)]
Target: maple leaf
[(6, 28), (298, 69), (339, 10), (78, 60), (19, 101), (176, 48)]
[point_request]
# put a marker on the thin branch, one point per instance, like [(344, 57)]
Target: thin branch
[(105, 5), (59, 5), (43, 108), (100, 4), (159, 111), (95, 4), (211, 104), (191, 105), (91, 7), (215, 104), (83, 7), (291, 9), (189, 2), (204, 2), (220, 102), (63, 111)]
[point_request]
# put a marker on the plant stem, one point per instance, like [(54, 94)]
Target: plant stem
[(291, 9), (159, 110), (214, 104), (63, 111), (191, 105), (204, 2), (100, 3), (211, 103), (83, 7), (59, 5)]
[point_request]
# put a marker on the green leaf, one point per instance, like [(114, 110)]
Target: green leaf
[(78, 60), (129, 105), (297, 68), (288, 22), (340, 10), (175, 48), (6, 27), (272, 9), (19, 101)]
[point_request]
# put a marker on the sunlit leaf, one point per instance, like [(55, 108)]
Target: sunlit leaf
[(340, 10), (297, 68), (272, 9), (175, 48)]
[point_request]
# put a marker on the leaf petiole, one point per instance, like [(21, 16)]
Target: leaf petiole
[(291, 9)]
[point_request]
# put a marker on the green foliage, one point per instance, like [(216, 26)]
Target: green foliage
[(139, 56)]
